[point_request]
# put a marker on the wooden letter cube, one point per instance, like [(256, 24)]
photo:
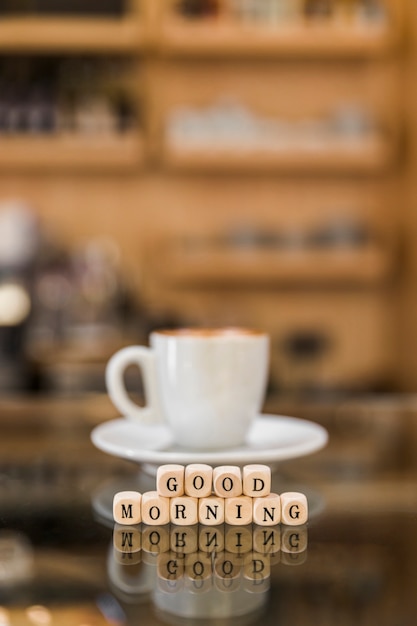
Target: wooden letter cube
[(184, 511), (267, 510), (294, 508), (238, 511), (256, 481), (227, 481), (155, 509), (211, 511), (127, 507), (198, 480), (170, 480)]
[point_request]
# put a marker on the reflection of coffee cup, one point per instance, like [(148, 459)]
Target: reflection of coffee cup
[(207, 384)]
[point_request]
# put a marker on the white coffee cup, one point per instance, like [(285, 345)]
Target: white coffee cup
[(208, 385)]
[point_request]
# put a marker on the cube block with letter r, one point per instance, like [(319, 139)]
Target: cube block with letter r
[(184, 511)]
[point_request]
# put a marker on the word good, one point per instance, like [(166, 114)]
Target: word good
[(198, 493)]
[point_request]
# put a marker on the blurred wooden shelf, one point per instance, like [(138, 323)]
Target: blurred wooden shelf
[(369, 155), (179, 37), (71, 35), (361, 266), (84, 153)]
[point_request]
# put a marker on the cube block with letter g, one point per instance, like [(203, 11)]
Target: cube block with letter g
[(294, 508), (170, 480)]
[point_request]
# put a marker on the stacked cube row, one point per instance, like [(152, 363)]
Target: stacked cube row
[(199, 493)]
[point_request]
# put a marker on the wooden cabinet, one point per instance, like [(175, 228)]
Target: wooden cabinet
[(151, 192)]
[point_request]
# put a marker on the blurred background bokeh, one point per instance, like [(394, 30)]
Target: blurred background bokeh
[(209, 162)]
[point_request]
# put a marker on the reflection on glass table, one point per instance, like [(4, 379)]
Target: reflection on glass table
[(201, 571), (63, 563)]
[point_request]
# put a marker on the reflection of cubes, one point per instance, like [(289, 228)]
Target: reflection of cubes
[(127, 558), (184, 511), (170, 480), (198, 480), (198, 566), (155, 539), (198, 585), (228, 566), (267, 540), (294, 508), (155, 509), (170, 566), (127, 507), (294, 540), (256, 585), (127, 538), (184, 540), (211, 539), (227, 481), (267, 511), (293, 558), (238, 540), (170, 585), (256, 566)]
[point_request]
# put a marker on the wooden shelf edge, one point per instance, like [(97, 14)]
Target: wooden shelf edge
[(369, 266), (66, 152), (71, 35), (366, 156), (177, 37)]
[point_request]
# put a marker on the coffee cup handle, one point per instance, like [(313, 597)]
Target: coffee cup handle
[(144, 358)]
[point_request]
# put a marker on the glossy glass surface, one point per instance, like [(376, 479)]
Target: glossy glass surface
[(62, 562)]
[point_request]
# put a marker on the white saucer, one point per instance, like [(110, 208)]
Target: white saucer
[(272, 438)]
